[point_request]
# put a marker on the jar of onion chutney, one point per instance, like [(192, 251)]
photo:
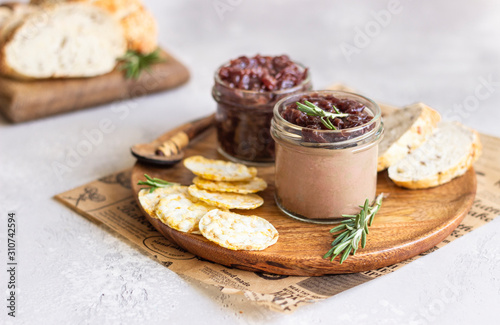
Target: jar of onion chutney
[(246, 90), (326, 154)]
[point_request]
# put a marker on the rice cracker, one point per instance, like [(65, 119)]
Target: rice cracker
[(150, 200), (181, 211), (227, 200), (238, 232), (254, 185), (219, 170)]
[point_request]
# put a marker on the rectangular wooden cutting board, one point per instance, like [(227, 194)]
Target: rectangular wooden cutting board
[(22, 101)]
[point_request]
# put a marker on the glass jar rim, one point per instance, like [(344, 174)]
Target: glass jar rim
[(277, 118), (306, 80)]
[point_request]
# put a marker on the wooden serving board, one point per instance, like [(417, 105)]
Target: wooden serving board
[(22, 101), (410, 222)]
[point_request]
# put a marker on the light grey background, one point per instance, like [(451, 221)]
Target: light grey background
[(73, 272)]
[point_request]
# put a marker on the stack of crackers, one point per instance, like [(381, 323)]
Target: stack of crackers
[(203, 208)]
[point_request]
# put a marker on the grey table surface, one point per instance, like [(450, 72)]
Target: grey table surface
[(71, 271)]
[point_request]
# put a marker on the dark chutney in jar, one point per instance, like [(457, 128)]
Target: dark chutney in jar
[(358, 116), (246, 90)]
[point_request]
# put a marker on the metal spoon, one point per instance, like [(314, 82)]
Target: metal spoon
[(167, 150)]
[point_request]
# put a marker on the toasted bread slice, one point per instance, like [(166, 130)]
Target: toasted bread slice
[(405, 130), (447, 154)]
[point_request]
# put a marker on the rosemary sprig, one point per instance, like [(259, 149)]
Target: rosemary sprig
[(313, 110), (134, 62), (154, 183), (353, 229)]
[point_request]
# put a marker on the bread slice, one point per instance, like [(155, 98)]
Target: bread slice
[(447, 154), (18, 12), (404, 131), (139, 25), (64, 40)]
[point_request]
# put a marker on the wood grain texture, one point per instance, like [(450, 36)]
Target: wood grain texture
[(22, 101), (410, 222)]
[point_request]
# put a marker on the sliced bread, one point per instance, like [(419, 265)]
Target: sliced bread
[(139, 25), (405, 130), (63, 40), (447, 154), (18, 12)]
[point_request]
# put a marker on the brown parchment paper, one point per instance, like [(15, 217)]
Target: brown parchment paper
[(110, 201)]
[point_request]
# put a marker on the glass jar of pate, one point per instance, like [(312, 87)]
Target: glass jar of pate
[(243, 117), (321, 173)]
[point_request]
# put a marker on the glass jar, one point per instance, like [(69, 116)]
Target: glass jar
[(319, 182), (243, 120)]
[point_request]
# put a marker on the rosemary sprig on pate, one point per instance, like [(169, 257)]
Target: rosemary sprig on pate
[(352, 230), (154, 183), (134, 62), (313, 110)]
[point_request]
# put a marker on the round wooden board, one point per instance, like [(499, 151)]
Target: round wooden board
[(410, 222)]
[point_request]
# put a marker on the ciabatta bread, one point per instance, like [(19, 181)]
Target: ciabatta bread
[(405, 130), (63, 40), (447, 154), (139, 25)]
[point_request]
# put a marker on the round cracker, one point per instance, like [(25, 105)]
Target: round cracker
[(227, 200), (150, 200), (254, 185), (181, 211), (219, 170), (238, 232)]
